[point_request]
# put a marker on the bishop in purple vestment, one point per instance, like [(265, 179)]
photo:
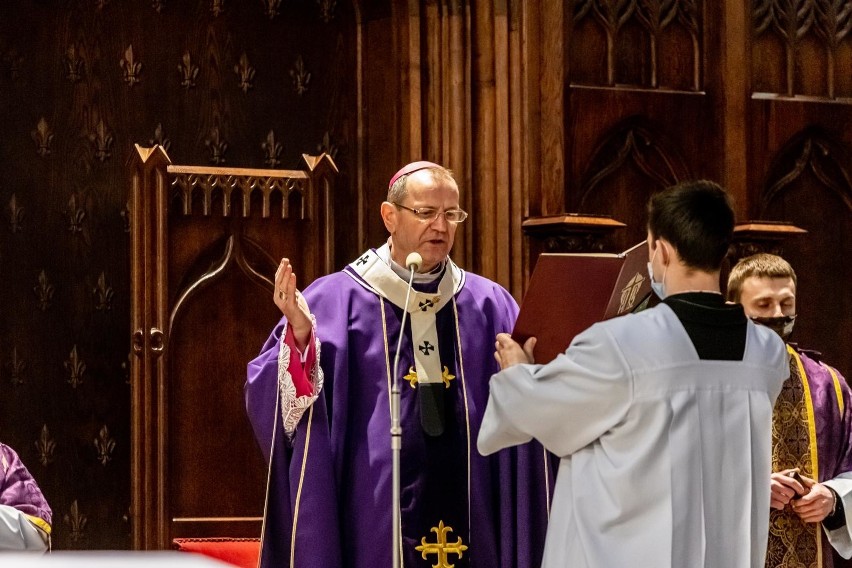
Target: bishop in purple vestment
[(329, 501)]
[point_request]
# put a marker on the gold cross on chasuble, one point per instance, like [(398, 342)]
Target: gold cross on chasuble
[(446, 377), (792, 542), (441, 548)]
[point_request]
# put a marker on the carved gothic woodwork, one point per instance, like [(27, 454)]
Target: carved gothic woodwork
[(808, 40), (753, 237), (616, 29), (572, 232), (809, 184), (630, 163), (205, 243)]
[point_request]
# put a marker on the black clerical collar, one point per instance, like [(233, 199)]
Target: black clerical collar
[(716, 329)]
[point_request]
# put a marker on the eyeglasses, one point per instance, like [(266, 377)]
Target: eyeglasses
[(430, 214)]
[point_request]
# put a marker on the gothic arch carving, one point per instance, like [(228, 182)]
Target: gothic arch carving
[(815, 150), (633, 141)]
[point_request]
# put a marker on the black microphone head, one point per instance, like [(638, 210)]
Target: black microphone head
[(413, 261)]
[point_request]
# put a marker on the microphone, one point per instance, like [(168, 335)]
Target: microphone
[(413, 262)]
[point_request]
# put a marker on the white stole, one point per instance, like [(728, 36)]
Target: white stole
[(422, 307)]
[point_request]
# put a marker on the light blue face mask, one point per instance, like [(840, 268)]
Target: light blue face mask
[(659, 288)]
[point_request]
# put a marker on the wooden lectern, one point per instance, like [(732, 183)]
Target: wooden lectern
[(569, 292)]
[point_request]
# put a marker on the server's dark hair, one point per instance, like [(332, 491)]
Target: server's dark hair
[(697, 218)]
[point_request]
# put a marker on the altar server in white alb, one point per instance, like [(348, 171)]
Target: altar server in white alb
[(662, 419)]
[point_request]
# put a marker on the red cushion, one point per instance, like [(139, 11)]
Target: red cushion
[(241, 552)]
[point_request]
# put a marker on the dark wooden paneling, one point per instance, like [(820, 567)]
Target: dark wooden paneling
[(69, 117)]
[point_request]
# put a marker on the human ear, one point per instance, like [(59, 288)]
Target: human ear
[(665, 252), (389, 213)]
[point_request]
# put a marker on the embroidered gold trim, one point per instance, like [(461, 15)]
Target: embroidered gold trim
[(39, 522), (837, 390), (793, 543), (809, 406)]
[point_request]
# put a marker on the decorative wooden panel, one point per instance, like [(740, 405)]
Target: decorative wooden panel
[(798, 151), (634, 72), (202, 246), (216, 82), (647, 43), (631, 162), (802, 47), (809, 184)]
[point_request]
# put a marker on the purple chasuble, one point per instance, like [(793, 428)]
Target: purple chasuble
[(330, 498), (18, 489), (833, 430)]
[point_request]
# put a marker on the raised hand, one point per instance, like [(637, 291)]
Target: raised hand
[(292, 304)]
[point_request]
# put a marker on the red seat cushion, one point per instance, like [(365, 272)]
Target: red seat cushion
[(241, 552)]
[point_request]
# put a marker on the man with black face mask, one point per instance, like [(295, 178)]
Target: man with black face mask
[(812, 428)]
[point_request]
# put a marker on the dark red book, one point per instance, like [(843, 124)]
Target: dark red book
[(569, 292)]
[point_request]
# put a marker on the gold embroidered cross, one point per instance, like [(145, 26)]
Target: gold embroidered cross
[(447, 377), (411, 377), (441, 548)]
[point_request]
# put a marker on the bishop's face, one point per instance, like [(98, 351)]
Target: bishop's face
[(765, 297), (432, 238)]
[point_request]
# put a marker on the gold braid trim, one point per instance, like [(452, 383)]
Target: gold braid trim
[(809, 408), (837, 389)]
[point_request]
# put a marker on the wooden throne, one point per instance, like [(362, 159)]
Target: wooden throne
[(205, 243)]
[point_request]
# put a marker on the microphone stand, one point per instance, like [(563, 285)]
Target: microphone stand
[(396, 429)]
